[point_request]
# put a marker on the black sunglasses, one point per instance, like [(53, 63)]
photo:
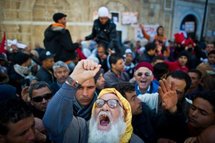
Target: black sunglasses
[(40, 98), (146, 74), (112, 103)]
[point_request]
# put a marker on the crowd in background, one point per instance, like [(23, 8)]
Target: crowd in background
[(142, 72)]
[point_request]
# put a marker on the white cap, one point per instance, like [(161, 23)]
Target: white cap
[(103, 12), (128, 51)]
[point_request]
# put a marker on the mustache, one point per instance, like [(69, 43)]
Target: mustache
[(107, 113)]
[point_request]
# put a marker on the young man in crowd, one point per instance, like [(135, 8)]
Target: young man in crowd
[(58, 39), (104, 31), (196, 87), (116, 74), (45, 72), (40, 94), (17, 123)]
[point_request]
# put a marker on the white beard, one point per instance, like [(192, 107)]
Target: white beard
[(111, 136)]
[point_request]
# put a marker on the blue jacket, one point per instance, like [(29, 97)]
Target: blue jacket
[(153, 88)]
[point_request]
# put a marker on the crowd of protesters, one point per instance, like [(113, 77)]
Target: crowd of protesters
[(99, 90)]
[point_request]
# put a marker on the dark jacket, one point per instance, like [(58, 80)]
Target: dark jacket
[(105, 34), (143, 124), (59, 42), (145, 57), (62, 126), (172, 126), (17, 80), (45, 75), (111, 79)]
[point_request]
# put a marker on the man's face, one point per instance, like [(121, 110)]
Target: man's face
[(101, 52), (211, 59), (201, 114), (61, 74), (128, 58), (182, 60), (62, 21), (103, 20), (209, 47), (100, 83), (107, 121), (179, 86), (135, 102), (105, 115), (40, 98), (21, 132), (143, 77), (49, 63), (119, 66), (194, 78), (85, 93)]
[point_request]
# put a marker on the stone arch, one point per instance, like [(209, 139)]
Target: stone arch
[(198, 21)]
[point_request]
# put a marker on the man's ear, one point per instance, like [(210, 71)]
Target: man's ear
[(2, 139)]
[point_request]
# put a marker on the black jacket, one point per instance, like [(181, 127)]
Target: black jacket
[(59, 42), (105, 34), (143, 124), (45, 75)]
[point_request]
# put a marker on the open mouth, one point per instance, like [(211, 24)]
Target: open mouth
[(143, 82), (104, 122)]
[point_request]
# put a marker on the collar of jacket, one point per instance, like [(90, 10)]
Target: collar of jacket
[(58, 25)]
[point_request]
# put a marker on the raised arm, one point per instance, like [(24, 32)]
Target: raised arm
[(144, 32), (59, 113)]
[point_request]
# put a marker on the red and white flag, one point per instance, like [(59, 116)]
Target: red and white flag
[(3, 43)]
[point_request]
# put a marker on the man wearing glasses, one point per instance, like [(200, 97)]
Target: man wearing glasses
[(40, 94), (111, 113), (144, 77)]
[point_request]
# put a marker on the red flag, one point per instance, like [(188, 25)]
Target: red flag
[(3, 42)]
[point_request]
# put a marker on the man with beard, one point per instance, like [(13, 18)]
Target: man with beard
[(61, 72), (111, 113)]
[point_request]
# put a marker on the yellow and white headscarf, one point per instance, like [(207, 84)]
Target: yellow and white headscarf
[(128, 114)]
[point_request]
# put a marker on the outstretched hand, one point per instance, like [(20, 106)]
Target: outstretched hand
[(84, 70), (168, 95)]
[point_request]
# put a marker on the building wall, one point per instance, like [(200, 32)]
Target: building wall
[(26, 20)]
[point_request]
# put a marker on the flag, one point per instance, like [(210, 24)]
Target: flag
[(3, 43)]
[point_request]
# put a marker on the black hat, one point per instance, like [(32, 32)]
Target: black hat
[(45, 55), (7, 92), (21, 57), (58, 16)]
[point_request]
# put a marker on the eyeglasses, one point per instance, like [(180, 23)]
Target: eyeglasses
[(112, 103), (40, 98), (146, 74)]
